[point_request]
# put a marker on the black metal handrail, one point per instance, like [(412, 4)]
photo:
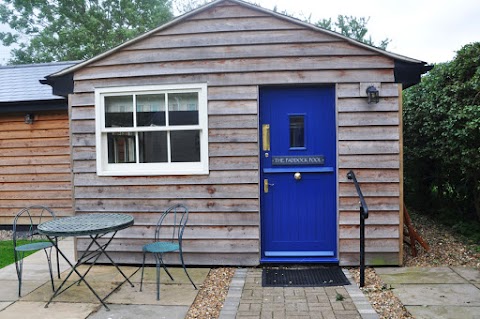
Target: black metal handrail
[(363, 216)]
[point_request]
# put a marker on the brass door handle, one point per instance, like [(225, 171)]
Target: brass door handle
[(297, 176)]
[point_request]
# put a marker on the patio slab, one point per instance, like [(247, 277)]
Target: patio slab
[(438, 295), (419, 275), (22, 309), (469, 274), (435, 312), (9, 289), (141, 312), (198, 275)]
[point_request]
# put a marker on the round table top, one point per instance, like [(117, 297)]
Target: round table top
[(87, 224)]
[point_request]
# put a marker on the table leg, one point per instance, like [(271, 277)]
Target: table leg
[(74, 269)]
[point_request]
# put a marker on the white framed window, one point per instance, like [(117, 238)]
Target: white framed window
[(152, 130)]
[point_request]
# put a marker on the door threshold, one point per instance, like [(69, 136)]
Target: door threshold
[(298, 260)]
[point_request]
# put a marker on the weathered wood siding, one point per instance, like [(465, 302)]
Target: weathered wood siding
[(35, 166), (236, 50)]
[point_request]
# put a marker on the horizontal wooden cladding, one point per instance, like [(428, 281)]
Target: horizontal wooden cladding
[(368, 119), (43, 133), (155, 63), (371, 231), (35, 151), (370, 189), (232, 136), (352, 90), (247, 78), (369, 161), (194, 232), (20, 170), (66, 193), (246, 37), (374, 218), (374, 203), (229, 24), (189, 246), (368, 147), (233, 149), (387, 104), (43, 160), (39, 141), (148, 205), (21, 177), (9, 204), (371, 245), (168, 192), (215, 177), (234, 163), (149, 219), (371, 259), (232, 93), (233, 121), (370, 175), (368, 133), (198, 259), (232, 107)]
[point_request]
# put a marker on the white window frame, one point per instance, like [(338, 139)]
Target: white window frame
[(151, 169)]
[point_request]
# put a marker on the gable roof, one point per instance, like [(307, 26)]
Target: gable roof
[(407, 70)]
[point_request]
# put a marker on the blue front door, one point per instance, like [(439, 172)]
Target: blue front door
[(298, 174)]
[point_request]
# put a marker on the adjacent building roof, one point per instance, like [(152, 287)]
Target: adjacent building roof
[(21, 89)]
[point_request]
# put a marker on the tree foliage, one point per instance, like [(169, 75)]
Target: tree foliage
[(442, 138), (57, 30), (352, 27)]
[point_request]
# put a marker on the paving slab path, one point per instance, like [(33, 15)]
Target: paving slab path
[(440, 292)]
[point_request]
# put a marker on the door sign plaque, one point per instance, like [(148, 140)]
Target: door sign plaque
[(298, 160)]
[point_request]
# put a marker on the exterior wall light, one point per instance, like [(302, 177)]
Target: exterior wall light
[(373, 95), (29, 118)]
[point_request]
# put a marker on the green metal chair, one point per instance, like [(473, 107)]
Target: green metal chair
[(24, 227), (168, 238)]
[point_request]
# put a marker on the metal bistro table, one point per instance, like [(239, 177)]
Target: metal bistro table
[(95, 226)]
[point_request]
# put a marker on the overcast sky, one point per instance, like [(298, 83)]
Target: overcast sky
[(428, 30)]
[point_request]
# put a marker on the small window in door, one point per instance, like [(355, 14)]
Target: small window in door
[(297, 131)]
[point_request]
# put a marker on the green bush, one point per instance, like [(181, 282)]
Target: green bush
[(442, 140)]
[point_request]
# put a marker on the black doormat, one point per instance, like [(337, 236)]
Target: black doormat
[(318, 276)]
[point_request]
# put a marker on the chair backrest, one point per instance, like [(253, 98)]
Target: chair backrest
[(27, 220), (172, 222)]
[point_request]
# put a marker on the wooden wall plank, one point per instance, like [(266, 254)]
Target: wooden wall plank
[(154, 64), (249, 37), (233, 79)]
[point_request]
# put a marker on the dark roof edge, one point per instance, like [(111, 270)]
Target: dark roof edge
[(61, 85), (409, 73), (34, 106)]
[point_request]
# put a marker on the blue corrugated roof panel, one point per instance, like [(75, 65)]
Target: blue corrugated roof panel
[(21, 82)]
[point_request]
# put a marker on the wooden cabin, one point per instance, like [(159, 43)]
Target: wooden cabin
[(252, 119), (35, 164)]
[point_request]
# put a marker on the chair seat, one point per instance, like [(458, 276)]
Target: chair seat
[(161, 247), (34, 246)]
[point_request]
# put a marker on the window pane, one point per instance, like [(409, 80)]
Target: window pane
[(297, 131), (183, 108), (185, 146), (151, 110), (119, 111), (121, 147), (153, 147)]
